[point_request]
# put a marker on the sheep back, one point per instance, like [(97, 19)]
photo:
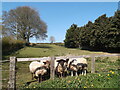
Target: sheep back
[(35, 64)]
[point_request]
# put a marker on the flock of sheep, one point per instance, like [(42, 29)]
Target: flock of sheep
[(63, 67)]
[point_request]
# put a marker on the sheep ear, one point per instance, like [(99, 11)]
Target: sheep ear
[(67, 59), (44, 62)]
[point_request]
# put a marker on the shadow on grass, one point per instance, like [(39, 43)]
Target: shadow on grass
[(41, 46), (28, 83), (5, 54), (111, 50)]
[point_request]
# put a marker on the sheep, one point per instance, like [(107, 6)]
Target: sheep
[(33, 65), (77, 65), (39, 69), (60, 67), (39, 72), (72, 67), (82, 65)]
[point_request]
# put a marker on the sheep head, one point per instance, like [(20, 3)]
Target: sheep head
[(47, 64)]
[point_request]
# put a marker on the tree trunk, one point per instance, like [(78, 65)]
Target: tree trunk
[(27, 39)]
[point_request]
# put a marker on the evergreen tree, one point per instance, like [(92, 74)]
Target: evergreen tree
[(85, 34), (113, 34), (71, 38), (99, 31), (103, 34)]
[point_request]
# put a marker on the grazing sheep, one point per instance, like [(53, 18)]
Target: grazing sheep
[(39, 69), (77, 65), (60, 67)]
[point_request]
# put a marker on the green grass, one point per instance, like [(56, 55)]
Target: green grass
[(103, 80), (102, 68), (44, 50), (102, 65)]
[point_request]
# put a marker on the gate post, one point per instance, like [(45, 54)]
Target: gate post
[(52, 70), (12, 74), (93, 64)]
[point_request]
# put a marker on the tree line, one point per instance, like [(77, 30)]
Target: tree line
[(102, 34)]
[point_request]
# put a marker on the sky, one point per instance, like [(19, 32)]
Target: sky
[(59, 16), (60, 0)]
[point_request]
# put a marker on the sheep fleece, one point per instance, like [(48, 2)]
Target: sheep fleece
[(35, 64)]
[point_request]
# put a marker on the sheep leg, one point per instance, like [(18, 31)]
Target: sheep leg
[(85, 72), (61, 75), (82, 72), (76, 74), (39, 78), (32, 76), (71, 73)]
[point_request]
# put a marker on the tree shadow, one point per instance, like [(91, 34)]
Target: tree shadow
[(101, 49), (41, 46)]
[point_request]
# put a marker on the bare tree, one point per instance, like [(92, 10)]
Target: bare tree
[(24, 22), (52, 39)]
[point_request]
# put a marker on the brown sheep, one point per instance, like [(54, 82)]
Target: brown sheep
[(60, 67)]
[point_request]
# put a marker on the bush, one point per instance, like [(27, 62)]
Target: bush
[(10, 45), (59, 44)]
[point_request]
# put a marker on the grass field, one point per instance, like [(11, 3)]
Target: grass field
[(104, 66), (43, 50)]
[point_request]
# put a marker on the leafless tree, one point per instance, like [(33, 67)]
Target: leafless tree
[(25, 23), (52, 39)]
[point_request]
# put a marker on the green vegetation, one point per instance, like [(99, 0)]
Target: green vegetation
[(10, 45), (44, 50), (109, 80), (103, 34), (103, 66)]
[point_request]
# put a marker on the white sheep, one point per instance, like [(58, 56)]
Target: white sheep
[(33, 65), (39, 69)]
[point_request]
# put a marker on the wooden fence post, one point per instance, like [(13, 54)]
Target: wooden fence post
[(93, 64), (12, 74), (52, 71)]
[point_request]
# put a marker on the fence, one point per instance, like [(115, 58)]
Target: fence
[(14, 60)]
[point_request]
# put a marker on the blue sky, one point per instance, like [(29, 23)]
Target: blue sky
[(60, 16)]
